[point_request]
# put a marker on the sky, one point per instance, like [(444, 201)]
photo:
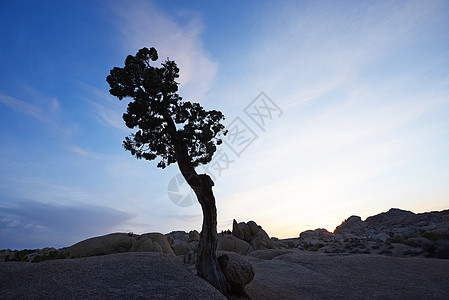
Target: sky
[(335, 108)]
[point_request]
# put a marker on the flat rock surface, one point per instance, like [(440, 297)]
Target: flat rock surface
[(295, 274), (280, 274), (116, 276)]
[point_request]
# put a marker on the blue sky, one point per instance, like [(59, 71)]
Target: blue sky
[(360, 119)]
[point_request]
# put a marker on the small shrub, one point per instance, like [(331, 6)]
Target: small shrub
[(312, 247), (442, 249), (52, 255), (396, 239), (433, 236)]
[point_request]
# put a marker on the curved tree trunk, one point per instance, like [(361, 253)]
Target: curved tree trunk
[(207, 265)]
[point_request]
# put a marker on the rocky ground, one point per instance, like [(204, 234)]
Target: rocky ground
[(396, 258), (134, 275), (298, 274), (279, 274)]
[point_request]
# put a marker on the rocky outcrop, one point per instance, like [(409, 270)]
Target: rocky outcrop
[(231, 243), (102, 245), (120, 243), (194, 236), (250, 233), (160, 239), (236, 231), (395, 233), (185, 245)]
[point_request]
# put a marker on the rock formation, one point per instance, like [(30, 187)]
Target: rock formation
[(393, 233), (120, 243), (396, 233), (245, 238)]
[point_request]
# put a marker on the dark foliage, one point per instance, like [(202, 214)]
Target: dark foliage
[(155, 101)]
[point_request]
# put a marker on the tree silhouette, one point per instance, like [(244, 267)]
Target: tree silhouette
[(174, 131)]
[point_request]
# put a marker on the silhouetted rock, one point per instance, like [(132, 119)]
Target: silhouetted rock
[(102, 245), (237, 270), (261, 241), (353, 225), (236, 230), (253, 234), (194, 236), (231, 243), (253, 227), (244, 228), (392, 217), (121, 243), (161, 240), (396, 232), (180, 249), (145, 245)]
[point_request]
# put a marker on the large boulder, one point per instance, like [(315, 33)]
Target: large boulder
[(316, 236), (238, 272), (393, 217), (170, 239), (194, 236), (236, 231), (180, 249), (103, 245), (231, 243), (178, 236), (353, 224), (146, 245), (262, 241), (253, 234), (120, 243), (382, 236), (253, 227), (246, 231), (161, 239)]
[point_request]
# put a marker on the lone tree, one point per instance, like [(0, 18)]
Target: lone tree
[(174, 131)]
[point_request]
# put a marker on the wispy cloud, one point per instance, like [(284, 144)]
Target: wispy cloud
[(30, 223), (23, 107), (107, 109), (145, 25), (44, 108), (310, 50)]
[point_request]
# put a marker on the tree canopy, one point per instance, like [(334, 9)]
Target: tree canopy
[(159, 114)]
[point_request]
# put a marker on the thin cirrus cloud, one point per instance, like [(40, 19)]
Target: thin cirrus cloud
[(144, 25), (106, 109), (44, 108), (24, 107), (317, 49)]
